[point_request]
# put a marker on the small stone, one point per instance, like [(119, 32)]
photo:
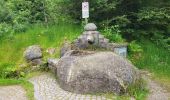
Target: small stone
[(90, 27), (33, 52), (33, 55), (51, 51)]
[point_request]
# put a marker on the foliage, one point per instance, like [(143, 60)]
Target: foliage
[(154, 23), (11, 50), (134, 47), (138, 90), (153, 58), (4, 30), (7, 70), (113, 34), (137, 19), (17, 15), (75, 6)]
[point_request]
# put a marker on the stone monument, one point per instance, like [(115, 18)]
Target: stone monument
[(82, 71), (91, 37)]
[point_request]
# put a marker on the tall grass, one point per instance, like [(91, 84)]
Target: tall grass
[(154, 58), (12, 48)]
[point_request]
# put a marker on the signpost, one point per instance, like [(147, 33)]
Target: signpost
[(85, 11)]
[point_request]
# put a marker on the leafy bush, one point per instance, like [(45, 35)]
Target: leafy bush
[(135, 51), (8, 70), (113, 34), (5, 29), (154, 23), (134, 47)]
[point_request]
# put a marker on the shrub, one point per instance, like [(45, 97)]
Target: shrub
[(5, 29), (8, 70), (134, 47), (113, 34), (135, 51)]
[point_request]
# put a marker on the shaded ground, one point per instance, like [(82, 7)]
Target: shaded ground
[(14, 92)]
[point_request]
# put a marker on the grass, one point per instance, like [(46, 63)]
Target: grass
[(155, 59), (12, 48), (24, 83)]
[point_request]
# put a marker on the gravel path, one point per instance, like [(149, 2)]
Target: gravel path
[(12, 93), (46, 88), (157, 92)]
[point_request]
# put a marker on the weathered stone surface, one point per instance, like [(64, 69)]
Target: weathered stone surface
[(93, 72), (35, 62), (86, 39), (46, 87), (33, 55), (66, 47), (33, 52), (52, 64), (90, 27)]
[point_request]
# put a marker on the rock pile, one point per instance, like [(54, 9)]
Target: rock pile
[(91, 37)]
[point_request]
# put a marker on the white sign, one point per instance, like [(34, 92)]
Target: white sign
[(85, 10)]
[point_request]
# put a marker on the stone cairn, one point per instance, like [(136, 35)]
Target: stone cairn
[(92, 37)]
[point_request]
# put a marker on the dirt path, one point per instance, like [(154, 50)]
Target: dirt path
[(14, 92), (157, 92)]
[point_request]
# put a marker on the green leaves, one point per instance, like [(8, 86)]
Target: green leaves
[(113, 33)]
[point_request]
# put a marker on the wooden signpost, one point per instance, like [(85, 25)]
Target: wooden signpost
[(85, 10)]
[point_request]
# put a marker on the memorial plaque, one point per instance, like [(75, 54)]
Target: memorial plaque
[(122, 51)]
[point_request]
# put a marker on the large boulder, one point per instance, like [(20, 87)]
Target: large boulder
[(94, 72), (33, 54)]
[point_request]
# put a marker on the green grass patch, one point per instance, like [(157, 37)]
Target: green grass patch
[(12, 48), (154, 58), (29, 88)]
